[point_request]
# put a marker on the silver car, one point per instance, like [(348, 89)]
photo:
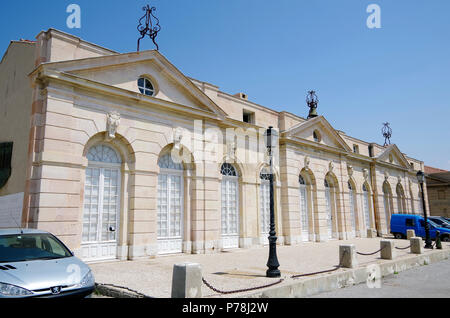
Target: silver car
[(35, 263)]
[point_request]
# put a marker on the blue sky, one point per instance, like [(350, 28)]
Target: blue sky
[(275, 51)]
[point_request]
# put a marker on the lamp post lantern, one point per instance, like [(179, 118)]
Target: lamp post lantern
[(421, 179), (271, 137)]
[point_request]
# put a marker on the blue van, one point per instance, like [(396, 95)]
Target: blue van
[(402, 222)]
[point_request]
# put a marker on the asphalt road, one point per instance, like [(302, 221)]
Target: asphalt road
[(428, 281)]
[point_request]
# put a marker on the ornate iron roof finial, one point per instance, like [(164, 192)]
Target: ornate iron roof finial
[(387, 134), (148, 29), (312, 101)]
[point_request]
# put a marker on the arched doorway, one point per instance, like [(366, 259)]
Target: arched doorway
[(330, 206), (264, 206), (366, 206), (387, 197), (401, 206), (170, 204), (352, 199), (304, 208), (101, 208), (230, 206)]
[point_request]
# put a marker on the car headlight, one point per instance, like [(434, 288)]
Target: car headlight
[(8, 290), (88, 280)]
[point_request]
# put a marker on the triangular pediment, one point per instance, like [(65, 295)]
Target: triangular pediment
[(123, 71), (394, 156), (326, 134)]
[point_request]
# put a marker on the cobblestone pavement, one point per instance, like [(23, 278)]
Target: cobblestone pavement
[(235, 269)]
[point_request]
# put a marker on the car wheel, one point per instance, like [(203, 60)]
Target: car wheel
[(398, 236), (445, 238)]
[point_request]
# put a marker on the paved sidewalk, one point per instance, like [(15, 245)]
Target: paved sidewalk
[(432, 281), (237, 269)]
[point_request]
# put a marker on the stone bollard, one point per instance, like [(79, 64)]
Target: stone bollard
[(387, 249), (416, 245), (347, 256), (187, 281), (410, 233)]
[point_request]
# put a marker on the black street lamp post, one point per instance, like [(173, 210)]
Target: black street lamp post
[(421, 179), (272, 263)]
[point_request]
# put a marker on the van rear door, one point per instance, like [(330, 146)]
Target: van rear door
[(410, 224)]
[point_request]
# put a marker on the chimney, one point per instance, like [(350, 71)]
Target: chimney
[(241, 96)]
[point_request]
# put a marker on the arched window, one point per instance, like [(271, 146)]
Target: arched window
[(167, 162), (352, 206), (145, 86), (366, 206), (230, 206), (101, 208), (103, 153), (304, 208), (170, 205), (316, 136), (228, 170)]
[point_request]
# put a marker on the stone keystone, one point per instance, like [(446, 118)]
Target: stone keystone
[(187, 281)]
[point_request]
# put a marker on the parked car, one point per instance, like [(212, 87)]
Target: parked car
[(400, 223), (440, 221), (35, 263)]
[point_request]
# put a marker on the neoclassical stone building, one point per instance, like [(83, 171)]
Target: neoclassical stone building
[(123, 156)]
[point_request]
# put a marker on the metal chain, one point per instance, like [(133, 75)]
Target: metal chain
[(121, 287), (322, 272), (367, 254), (403, 248), (238, 290)]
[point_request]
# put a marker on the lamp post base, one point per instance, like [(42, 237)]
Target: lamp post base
[(273, 273), (272, 263)]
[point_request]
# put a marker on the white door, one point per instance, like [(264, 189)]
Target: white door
[(304, 219), (264, 211), (230, 207), (170, 220), (100, 216), (366, 207), (170, 206), (101, 204), (329, 212), (352, 209)]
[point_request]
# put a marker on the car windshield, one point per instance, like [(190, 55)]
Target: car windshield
[(433, 223), (31, 247), (440, 221)]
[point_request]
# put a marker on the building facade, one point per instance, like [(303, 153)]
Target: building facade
[(123, 156), (438, 188)]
